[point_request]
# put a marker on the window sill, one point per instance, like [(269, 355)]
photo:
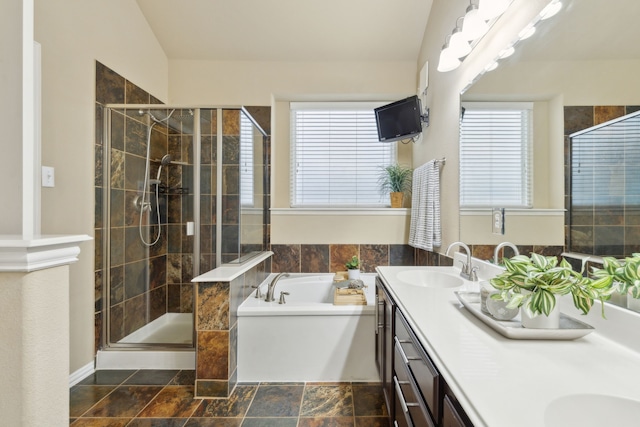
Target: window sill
[(342, 211)]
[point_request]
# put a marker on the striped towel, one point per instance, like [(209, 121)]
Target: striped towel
[(426, 230)]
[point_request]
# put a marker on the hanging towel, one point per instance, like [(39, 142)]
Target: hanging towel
[(426, 230)]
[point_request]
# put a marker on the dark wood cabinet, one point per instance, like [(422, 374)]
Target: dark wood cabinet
[(384, 343), (415, 393)]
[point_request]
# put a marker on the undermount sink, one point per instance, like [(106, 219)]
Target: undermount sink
[(592, 410), (430, 278)]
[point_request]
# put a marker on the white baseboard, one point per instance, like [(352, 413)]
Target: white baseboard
[(81, 373)]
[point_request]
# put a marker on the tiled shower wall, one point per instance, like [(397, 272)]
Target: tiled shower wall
[(606, 231), (144, 283)]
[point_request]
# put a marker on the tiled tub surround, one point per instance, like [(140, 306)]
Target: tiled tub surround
[(219, 293), (610, 231)]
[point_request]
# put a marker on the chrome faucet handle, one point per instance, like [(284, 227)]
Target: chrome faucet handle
[(258, 293), (282, 294), (474, 274)]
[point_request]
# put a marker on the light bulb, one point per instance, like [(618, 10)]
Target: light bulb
[(448, 60), (458, 43), (526, 33), (491, 66), (507, 52), (550, 10), (473, 26)]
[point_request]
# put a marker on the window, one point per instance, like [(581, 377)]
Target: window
[(336, 158), (496, 155), (246, 160)]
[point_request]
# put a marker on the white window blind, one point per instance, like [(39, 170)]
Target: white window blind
[(496, 160), (246, 161), (336, 158)]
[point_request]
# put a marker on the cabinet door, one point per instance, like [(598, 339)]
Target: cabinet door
[(384, 344), (379, 315), (450, 416)]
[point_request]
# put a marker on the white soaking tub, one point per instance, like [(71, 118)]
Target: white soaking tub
[(308, 338)]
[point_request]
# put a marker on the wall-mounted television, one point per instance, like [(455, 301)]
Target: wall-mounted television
[(399, 120)]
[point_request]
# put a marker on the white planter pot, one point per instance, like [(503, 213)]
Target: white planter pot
[(633, 303), (540, 321), (353, 274)]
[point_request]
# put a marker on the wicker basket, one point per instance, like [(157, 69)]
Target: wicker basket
[(348, 296)]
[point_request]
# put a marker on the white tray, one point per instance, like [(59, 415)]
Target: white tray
[(570, 328)]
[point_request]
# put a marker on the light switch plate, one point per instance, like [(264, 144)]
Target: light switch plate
[(48, 176)]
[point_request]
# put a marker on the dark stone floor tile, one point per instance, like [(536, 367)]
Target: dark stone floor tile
[(100, 422), (157, 422), (235, 406), (368, 400), (214, 422), (81, 398), (124, 401), (270, 422), (372, 421), (276, 401), (107, 377), (152, 377), (186, 377), (174, 401), (327, 401), (326, 422)]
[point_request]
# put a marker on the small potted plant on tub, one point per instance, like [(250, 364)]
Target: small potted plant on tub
[(396, 181), (533, 283), (353, 268)]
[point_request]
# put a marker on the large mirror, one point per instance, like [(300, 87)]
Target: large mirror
[(579, 69)]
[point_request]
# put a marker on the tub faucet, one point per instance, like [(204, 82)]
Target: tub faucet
[(272, 287), (502, 245), (468, 271)]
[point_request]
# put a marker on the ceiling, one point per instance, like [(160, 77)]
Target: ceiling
[(288, 30)]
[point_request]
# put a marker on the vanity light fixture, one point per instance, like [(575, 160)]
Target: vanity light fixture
[(473, 25), (448, 59), (458, 43)]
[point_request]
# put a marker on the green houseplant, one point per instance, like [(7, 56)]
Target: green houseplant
[(396, 181), (353, 268), (625, 277), (533, 283)]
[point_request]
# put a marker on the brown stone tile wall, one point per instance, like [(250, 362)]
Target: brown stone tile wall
[(611, 231), (217, 330)]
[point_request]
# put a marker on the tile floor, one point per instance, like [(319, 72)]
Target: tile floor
[(159, 398)]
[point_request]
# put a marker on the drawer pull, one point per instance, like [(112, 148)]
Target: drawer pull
[(405, 358), (405, 405)]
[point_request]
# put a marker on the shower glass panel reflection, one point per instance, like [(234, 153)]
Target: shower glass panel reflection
[(178, 178)]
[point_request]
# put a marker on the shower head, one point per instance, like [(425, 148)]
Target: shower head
[(166, 160)]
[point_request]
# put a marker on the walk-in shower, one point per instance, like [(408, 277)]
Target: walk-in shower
[(183, 193)]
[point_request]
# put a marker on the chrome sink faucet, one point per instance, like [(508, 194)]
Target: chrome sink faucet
[(468, 271), (502, 245), (272, 287)]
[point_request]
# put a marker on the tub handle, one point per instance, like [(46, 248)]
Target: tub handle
[(282, 294), (258, 293)]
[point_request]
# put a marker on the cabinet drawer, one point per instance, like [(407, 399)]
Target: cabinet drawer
[(424, 373), (450, 417), (408, 409)]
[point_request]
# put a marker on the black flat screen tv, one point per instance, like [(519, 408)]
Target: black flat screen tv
[(399, 120)]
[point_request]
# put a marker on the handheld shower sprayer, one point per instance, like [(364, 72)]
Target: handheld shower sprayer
[(166, 160)]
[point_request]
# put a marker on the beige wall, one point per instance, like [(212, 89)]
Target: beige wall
[(73, 35), (441, 138), (11, 117)]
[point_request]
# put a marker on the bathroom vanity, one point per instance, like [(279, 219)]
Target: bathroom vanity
[(443, 367)]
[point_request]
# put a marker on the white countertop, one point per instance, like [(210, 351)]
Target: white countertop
[(228, 272), (505, 383)]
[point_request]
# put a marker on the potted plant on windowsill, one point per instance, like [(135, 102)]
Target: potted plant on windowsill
[(395, 180), (533, 283), (625, 276), (353, 268)]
